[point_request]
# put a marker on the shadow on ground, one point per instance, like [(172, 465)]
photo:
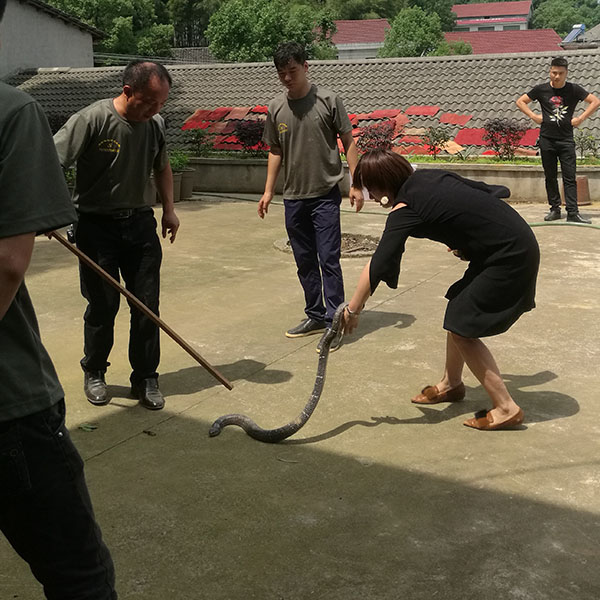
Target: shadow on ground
[(538, 406), (238, 519)]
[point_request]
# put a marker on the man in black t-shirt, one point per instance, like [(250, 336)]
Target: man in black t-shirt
[(45, 509), (558, 100)]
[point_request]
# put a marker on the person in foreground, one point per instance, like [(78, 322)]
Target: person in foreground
[(496, 289), (45, 509)]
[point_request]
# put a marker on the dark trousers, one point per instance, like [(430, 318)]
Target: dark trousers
[(131, 248), (551, 151), (313, 227), (45, 509)]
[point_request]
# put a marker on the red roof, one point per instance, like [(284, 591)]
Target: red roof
[(360, 32), (492, 9), (507, 42), (492, 21)]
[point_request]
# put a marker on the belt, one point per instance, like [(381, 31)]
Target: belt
[(126, 213)]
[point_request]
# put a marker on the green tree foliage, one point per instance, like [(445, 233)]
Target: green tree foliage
[(250, 30), (413, 33), (447, 48), (190, 20), (442, 8), (561, 15), (132, 26), (366, 9)]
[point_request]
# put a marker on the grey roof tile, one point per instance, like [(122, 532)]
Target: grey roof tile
[(484, 86)]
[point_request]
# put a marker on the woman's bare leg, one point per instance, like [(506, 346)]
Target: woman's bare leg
[(482, 364), (453, 369)]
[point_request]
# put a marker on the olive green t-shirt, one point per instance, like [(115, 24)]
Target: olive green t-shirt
[(306, 130), (33, 198), (114, 157)]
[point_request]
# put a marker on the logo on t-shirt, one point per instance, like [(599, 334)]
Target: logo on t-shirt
[(559, 110), (282, 128), (109, 146)]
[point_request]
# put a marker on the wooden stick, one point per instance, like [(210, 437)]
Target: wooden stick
[(142, 307)]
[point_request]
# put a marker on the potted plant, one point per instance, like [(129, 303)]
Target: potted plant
[(179, 160)]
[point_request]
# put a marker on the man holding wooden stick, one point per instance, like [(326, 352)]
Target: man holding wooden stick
[(116, 143)]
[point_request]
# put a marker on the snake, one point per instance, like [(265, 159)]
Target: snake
[(272, 436)]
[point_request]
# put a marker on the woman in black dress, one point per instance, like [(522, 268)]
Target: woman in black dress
[(497, 288)]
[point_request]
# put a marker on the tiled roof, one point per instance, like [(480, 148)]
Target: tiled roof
[(499, 42), (491, 21), (66, 17), (593, 34), (363, 31), (482, 86), (492, 9)]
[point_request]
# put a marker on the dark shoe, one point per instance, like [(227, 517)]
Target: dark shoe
[(553, 215), (577, 218), (94, 387), (335, 344), (147, 392), (307, 327)]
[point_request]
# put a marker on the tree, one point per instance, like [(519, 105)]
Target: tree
[(132, 26), (413, 33), (561, 15), (442, 8), (190, 20), (447, 48), (366, 9), (250, 30)]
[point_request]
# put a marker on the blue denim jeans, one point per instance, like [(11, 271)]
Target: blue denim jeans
[(129, 248), (313, 227), (45, 509)]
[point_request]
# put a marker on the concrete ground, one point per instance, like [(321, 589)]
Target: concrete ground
[(375, 498)]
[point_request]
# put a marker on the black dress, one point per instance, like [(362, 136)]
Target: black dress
[(499, 284)]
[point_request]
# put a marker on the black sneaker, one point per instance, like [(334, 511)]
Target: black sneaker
[(307, 327), (577, 218), (94, 386), (147, 392), (553, 215)]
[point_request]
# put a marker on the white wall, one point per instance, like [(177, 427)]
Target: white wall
[(358, 51), (31, 38)]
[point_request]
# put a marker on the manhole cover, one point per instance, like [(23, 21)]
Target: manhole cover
[(353, 244)]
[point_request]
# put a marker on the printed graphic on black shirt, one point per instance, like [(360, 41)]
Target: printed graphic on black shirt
[(559, 111)]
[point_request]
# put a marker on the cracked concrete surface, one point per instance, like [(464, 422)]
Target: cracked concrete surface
[(375, 498)]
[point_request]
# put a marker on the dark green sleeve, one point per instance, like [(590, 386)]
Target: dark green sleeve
[(72, 139), (340, 117), (33, 193), (270, 135)]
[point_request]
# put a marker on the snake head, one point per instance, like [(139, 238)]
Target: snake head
[(215, 429)]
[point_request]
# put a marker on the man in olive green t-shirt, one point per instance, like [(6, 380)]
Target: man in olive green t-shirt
[(116, 143), (302, 129), (45, 509)]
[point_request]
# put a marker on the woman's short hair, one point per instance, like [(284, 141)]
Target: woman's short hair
[(382, 170)]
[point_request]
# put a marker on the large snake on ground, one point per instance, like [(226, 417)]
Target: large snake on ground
[(272, 436)]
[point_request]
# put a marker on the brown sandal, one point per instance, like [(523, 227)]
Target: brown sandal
[(483, 420), (431, 395)]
